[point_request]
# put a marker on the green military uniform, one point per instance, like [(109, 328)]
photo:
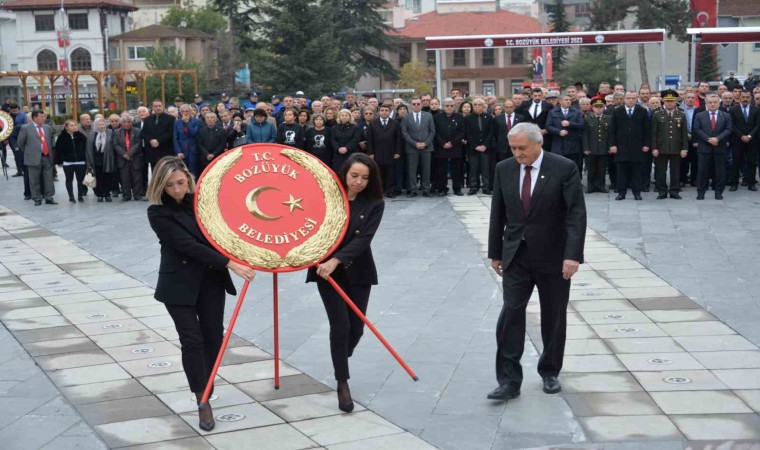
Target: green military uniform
[(596, 145), (670, 137)]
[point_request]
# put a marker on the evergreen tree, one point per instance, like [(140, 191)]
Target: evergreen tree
[(299, 51), (591, 69), (560, 24), (707, 68), (360, 35)]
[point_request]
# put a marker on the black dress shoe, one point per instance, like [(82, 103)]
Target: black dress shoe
[(637, 197), (389, 195), (27, 197), (700, 196), (646, 189), (733, 188), (71, 200), (458, 193), (80, 199), (744, 183), (37, 202), (551, 385), (100, 199), (676, 196), (504, 392), (126, 199), (488, 192), (603, 191), (620, 197), (411, 194), (443, 193), (472, 191), (345, 402), (662, 196), (752, 187), (51, 202), (108, 199), (718, 196), (18, 174), (426, 194)]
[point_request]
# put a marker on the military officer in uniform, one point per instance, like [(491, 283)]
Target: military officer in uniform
[(670, 143), (596, 145)]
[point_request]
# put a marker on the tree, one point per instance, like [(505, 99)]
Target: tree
[(560, 24), (361, 35), (205, 19), (707, 68), (414, 75), (299, 51), (591, 70), (166, 58)]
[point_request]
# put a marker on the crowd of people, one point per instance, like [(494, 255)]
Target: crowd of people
[(693, 136)]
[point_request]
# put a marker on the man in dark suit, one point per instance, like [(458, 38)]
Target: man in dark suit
[(478, 132), (35, 140), (418, 131), (384, 145), (689, 166), (630, 136), (536, 235), (537, 111), (746, 121), (502, 124), (129, 159), (212, 141), (712, 129), (158, 134), (565, 125), (449, 132)]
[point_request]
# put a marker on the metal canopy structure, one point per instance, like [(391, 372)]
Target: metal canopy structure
[(72, 78), (712, 36), (620, 37)]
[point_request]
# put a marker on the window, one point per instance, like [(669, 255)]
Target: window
[(489, 87), (459, 58), (81, 60), (122, 24), (138, 52), (386, 16), (44, 22), (46, 60), (517, 56), (113, 53), (431, 58), (757, 46), (414, 5), (582, 10), (488, 57), (78, 21), (404, 54)]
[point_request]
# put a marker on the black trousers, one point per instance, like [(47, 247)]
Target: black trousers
[(493, 159), (646, 170), (612, 170), (441, 181), (711, 164), (597, 165), (660, 170), (70, 172), (388, 177), (201, 330), (554, 293), (478, 169), (346, 328), (103, 182), (690, 166), (629, 174), (155, 155), (131, 180), (744, 152), (577, 158)]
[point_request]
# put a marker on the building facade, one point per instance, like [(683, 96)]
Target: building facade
[(128, 50)]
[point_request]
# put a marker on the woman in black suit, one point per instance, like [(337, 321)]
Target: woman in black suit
[(351, 266), (192, 276)]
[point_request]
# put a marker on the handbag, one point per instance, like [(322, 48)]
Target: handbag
[(89, 180)]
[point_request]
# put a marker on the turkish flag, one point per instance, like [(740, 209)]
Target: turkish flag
[(705, 13), (549, 63)]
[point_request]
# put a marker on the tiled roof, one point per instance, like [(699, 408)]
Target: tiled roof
[(27, 5), (467, 24), (153, 32), (739, 8)]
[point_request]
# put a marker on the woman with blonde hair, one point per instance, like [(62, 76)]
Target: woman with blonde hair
[(192, 276), (345, 137)]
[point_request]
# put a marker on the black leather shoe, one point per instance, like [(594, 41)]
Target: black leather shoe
[(700, 196), (411, 194), (108, 199), (100, 199), (37, 202), (458, 193), (718, 196), (426, 194), (662, 196), (345, 402), (80, 199), (18, 174), (389, 195), (488, 192), (27, 197), (676, 196), (205, 425), (472, 191), (620, 197), (51, 202), (551, 385), (504, 392), (646, 189), (603, 191), (744, 183), (752, 187), (637, 196), (71, 200), (733, 188)]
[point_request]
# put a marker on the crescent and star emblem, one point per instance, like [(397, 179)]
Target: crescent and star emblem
[(252, 202)]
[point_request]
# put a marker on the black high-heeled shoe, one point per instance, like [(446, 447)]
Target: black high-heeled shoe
[(205, 425), (345, 402)]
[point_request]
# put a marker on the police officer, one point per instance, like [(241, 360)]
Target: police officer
[(596, 145), (670, 143)]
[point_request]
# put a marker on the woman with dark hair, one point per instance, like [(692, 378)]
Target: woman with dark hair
[(318, 140), (401, 111), (351, 266), (289, 132), (71, 153), (465, 109), (304, 120)]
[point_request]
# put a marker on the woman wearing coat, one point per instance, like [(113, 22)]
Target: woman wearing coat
[(345, 139), (351, 266), (192, 276), (101, 159), (71, 153)]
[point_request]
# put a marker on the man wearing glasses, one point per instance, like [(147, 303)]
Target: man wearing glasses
[(449, 132), (418, 131)]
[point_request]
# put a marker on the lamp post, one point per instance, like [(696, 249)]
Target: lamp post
[(63, 42)]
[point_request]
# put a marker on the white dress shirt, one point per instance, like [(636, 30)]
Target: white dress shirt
[(533, 174)]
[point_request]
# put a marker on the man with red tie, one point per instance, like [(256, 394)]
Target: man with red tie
[(35, 140), (712, 129)]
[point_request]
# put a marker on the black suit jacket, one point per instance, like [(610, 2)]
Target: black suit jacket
[(743, 127), (448, 128), (384, 141), (630, 134), (555, 226), (185, 254), (500, 141), (354, 252), (160, 128), (702, 131)]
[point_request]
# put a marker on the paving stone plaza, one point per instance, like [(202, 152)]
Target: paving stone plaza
[(661, 352)]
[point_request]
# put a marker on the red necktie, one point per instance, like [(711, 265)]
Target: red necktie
[(509, 122), (712, 120), (126, 137), (525, 193), (45, 151)]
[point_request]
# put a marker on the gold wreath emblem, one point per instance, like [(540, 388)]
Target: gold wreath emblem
[(310, 252), (7, 123)]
